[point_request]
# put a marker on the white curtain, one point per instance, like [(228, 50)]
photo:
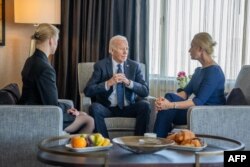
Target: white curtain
[(172, 25)]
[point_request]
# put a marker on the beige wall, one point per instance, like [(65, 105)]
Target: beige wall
[(16, 49)]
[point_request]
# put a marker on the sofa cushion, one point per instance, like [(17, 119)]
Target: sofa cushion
[(10, 94), (236, 97)]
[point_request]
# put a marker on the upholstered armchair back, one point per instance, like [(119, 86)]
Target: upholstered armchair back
[(243, 81), (23, 127), (85, 71), (118, 126)]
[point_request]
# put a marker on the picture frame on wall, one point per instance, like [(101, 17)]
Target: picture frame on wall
[(2, 23)]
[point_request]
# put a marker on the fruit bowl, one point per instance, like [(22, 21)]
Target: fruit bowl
[(141, 144), (88, 143), (88, 149)]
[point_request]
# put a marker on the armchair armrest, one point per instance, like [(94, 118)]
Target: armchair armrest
[(153, 113), (85, 102), (66, 101), (227, 121)]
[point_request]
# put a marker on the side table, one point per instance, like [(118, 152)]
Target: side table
[(116, 156)]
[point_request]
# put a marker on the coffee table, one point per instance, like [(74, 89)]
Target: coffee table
[(211, 156)]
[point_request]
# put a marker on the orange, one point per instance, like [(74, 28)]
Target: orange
[(78, 142)]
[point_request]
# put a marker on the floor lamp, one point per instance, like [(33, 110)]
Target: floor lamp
[(36, 12)]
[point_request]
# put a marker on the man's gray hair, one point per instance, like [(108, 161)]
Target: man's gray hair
[(113, 39)]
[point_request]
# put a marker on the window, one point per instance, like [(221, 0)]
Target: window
[(173, 23)]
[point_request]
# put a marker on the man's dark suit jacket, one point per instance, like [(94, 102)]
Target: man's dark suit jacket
[(39, 82), (103, 71)]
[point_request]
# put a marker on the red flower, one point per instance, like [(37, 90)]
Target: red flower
[(182, 79), (182, 74)]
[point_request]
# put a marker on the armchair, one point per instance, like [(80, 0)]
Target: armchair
[(22, 128), (118, 126), (227, 121)]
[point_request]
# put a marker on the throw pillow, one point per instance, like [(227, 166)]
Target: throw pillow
[(9, 94), (236, 97)]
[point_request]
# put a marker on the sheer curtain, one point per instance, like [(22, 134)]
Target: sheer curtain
[(172, 25)]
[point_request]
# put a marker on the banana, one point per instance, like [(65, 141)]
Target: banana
[(106, 142), (96, 139)]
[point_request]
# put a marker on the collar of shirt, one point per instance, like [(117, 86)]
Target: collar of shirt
[(114, 64)]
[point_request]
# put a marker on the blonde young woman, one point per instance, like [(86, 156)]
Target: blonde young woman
[(207, 85), (39, 81)]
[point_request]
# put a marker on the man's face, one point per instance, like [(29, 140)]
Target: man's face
[(120, 50)]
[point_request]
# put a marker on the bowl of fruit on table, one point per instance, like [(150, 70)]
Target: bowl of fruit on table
[(88, 143)]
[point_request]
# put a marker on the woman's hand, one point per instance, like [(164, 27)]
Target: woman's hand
[(162, 104), (73, 111)]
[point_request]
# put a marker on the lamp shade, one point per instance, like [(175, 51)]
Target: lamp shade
[(37, 11)]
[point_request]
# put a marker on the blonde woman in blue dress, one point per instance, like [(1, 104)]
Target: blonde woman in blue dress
[(207, 85)]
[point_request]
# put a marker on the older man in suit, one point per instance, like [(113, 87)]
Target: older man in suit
[(115, 84)]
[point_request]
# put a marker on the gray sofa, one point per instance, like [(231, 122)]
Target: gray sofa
[(228, 121)]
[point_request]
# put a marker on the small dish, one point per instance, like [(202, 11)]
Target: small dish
[(187, 148), (150, 135), (88, 149), (141, 144)]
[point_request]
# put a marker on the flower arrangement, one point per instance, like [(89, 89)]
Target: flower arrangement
[(182, 79)]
